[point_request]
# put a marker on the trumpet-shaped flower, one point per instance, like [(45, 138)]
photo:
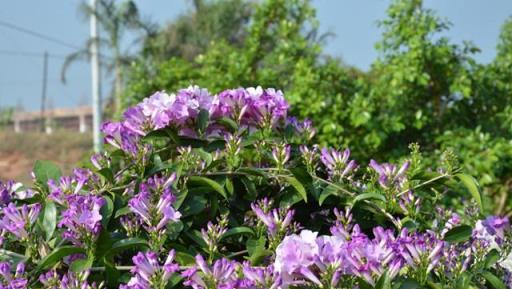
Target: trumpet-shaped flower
[(18, 221)]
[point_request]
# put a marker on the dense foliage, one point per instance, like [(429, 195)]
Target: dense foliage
[(228, 191), (422, 89)]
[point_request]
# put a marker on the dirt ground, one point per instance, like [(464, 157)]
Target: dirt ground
[(18, 152)]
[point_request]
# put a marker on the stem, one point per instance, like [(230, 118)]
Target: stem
[(395, 222), (334, 185), (237, 254), (423, 184)]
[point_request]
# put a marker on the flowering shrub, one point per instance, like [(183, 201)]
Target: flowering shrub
[(227, 191)]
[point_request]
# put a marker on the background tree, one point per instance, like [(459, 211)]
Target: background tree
[(422, 89), (192, 33), (114, 20)]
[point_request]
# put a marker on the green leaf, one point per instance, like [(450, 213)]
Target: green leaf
[(369, 196), (193, 205), (195, 235), (111, 274), (289, 199), (103, 244), (107, 174), (250, 187), (210, 183), (56, 255), (161, 167), (12, 257), (181, 196), (205, 156), (81, 265), (237, 231), (410, 284), (174, 229), (297, 186), (122, 211), (106, 211), (472, 186), (458, 234), (49, 222), (463, 281), (494, 281), (384, 282), (126, 244), (492, 257), (45, 170), (328, 191), (184, 259), (202, 120), (256, 250), (228, 123)]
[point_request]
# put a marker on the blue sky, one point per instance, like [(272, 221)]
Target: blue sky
[(353, 22)]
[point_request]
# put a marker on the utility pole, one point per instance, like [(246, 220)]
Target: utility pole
[(43, 95), (95, 76)]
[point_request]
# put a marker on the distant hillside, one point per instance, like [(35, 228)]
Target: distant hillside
[(18, 152)]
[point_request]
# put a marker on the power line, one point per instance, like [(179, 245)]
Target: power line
[(30, 54), (37, 34)]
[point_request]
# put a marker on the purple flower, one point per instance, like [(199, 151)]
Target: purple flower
[(309, 157), (233, 103), (164, 110), (70, 185), (497, 226), (281, 154), (260, 278), (491, 230), (304, 128), (70, 280), (295, 255), (13, 190), (276, 220), (100, 160), (213, 233), (10, 280), (409, 203), (121, 137), (337, 163), (135, 120), (18, 221), (82, 219), (389, 175), (196, 99), (267, 106), (153, 204), (148, 274), (221, 275), (413, 248)]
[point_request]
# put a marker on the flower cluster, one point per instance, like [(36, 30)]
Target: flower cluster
[(337, 163), (69, 185), (251, 107), (82, 219), (52, 280), (18, 221), (202, 276), (148, 274), (153, 207), (275, 219), (390, 175), (9, 280), (178, 162), (12, 190)]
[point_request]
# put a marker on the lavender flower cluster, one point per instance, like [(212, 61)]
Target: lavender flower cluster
[(311, 260), (250, 108), (161, 199)]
